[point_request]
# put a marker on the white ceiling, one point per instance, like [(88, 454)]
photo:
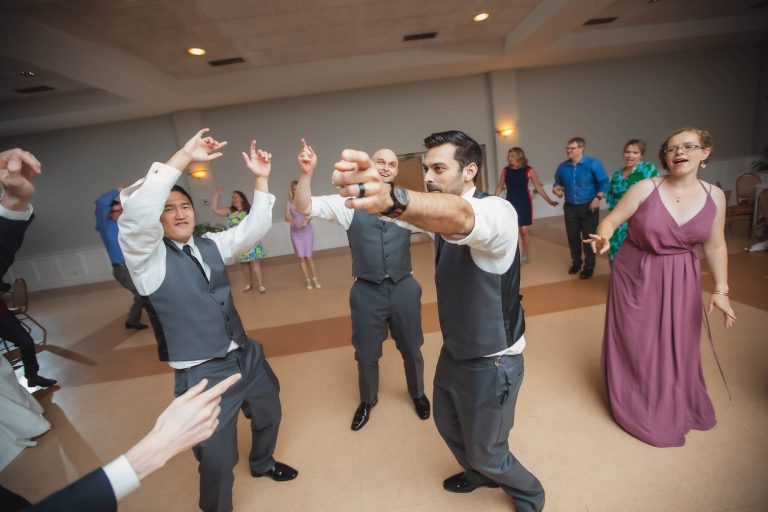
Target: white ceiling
[(109, 60)]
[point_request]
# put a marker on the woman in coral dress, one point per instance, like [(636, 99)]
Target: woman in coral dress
[(651, 360)]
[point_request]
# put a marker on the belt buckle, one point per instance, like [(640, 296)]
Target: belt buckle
[(498, 360)]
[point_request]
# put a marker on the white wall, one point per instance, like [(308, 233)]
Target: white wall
[(606, 102)]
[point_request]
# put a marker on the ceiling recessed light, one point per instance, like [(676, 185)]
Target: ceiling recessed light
[(196, 51), (28, 73), (481, 17)]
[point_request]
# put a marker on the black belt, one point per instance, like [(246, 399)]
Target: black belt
[(114, 265)]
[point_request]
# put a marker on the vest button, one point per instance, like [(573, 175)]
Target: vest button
[(222, 303)]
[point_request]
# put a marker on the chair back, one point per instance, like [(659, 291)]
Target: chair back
[(763, 200), (745, 187), (19, 296)]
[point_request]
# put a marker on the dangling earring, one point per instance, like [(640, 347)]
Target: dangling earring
[(703, 164)]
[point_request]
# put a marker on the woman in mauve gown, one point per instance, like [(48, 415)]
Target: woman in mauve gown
[(651, 360)]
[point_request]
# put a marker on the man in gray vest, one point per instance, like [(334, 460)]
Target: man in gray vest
[(184, 285), (385, 296), (477, 276)]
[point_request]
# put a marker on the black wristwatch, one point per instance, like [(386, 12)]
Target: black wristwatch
[(400, 200)]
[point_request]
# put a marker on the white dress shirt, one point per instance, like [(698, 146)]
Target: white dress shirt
[(332, 208), (141, 233)]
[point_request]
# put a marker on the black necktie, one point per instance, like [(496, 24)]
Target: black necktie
[(188, 251)]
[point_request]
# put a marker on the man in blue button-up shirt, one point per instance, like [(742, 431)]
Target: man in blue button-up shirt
[(584, 182), (108, 210)]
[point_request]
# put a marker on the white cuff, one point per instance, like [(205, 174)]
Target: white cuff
[(122, 477), (14, 215)]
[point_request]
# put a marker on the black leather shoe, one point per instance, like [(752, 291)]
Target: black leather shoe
[(363, 414), (422, 407), (574, 269), (280, 473), (460, 483), (39, 380), (135, 325), (586, 273)]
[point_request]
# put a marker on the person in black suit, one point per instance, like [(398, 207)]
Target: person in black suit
[(18, 168), (188, 420)]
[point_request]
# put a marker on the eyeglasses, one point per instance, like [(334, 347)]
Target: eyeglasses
[(572, 148), (687, 148)]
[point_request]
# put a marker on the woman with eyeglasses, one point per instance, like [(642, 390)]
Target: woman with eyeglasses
[(515, 177), (236, 212), (651, 360), (634, 170)]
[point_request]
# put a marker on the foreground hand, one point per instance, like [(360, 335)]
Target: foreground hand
[(722, 303), (203, 149), (598, 243), (356, 177), (190, 419), (553, 203), (18, 170), (557, 190), (307, 159), (258, 161), (594, 205)]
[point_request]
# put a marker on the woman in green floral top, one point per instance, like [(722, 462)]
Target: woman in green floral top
[(634, 170)]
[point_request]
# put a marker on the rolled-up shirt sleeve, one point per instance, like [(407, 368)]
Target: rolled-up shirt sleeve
[(122, 477), (332, 208)]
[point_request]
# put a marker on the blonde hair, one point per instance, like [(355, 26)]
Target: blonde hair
[(519, 155), (291, 188)]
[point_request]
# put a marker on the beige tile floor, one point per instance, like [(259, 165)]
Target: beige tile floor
[(112, 388)]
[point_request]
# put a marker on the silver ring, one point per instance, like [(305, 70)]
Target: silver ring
[(361, 193)]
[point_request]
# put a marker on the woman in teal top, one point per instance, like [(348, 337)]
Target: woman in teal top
[(634, 170)]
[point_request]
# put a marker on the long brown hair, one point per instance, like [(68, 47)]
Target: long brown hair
[(246, 203)]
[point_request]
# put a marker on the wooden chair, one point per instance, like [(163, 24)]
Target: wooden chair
[(745, 198), (20, 307)]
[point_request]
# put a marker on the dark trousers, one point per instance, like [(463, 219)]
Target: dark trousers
[(257, 394), (375, 310), (579, 223), (12, 330), (474, 408), (121, 274)]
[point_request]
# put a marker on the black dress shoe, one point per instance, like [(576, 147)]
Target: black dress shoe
[(135, 325), (363, 414), (460, 483), (586, 273), (422, 407), (39, 380), (574, 269), (279, 473)]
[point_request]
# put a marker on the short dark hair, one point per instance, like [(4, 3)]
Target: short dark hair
[(468, 151), (114, 202), (180, 190), (640, 143), (578, 141)]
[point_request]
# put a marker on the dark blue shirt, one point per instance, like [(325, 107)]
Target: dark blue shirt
[(582, 181), (107, 227)]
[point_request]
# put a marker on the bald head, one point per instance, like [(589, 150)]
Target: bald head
[(386, 163)]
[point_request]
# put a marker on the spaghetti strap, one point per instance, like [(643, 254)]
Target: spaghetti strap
[(657, 185), (709, 192)]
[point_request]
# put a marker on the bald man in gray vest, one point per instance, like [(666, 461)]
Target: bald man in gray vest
[(385, 296), (477, 276), (183, 283)]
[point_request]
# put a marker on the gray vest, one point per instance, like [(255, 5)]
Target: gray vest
[(193, 319), (378, 248), (480, 312)]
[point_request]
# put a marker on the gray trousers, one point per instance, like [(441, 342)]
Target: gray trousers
[(124, 278), (257, 394), (474, 410), (375, 309)]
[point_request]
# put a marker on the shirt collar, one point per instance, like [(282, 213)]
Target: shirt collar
[(469, 193)]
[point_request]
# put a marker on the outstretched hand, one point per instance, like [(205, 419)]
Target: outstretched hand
[(307, 159), (598, 243), (258, 161), (722, 303), (356, 177), (203, 149), (18, 170)]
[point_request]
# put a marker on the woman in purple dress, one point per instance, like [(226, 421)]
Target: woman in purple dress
[(651, 360), (516, 177), (302, 238)]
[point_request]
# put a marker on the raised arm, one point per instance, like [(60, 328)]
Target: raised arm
[(537, 185), (215, 203), (233, 242), (140, 233), (287, 215), (625, 208), (18, 170), (302, 197), (716, 254), (443, 213)]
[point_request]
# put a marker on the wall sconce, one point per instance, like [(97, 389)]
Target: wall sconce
[(199, 173), (505, 132)]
